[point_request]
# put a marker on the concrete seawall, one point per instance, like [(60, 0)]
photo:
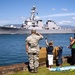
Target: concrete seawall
[(24, 66)]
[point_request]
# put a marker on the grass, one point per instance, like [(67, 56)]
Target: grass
[(42, 70)]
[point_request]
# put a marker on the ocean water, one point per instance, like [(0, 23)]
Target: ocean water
[(12, 46)]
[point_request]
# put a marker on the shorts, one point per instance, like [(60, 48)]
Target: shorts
[(50, 59)]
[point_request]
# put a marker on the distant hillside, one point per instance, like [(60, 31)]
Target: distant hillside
[(68, 26)]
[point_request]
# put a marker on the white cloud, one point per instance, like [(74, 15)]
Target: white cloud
[(20, 19), (4, 21), (23, 18), (73, 18), (64, 22), (37, 17), (59, 15), (64, 9), (53, 9)]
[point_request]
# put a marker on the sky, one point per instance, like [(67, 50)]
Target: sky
[(16, 11)]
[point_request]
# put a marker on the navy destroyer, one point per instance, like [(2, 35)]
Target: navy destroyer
[(33, 23)]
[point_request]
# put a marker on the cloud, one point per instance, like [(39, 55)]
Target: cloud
[(23, 18), (37, 17), (4, 21), (64, 22), (64, 9), (20, 19), (73, 18), (53, 9), (59, 15)]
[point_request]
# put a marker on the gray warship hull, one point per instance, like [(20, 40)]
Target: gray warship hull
[(28, 31)]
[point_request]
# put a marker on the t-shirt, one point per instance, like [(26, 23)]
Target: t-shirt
[(73, 46), (50, 50)]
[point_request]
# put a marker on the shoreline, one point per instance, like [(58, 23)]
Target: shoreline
[(9, 69)]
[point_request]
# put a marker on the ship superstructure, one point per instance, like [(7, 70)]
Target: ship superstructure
[(32, 22)]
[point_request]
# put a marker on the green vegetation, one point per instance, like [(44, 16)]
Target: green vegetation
[(44, 71)]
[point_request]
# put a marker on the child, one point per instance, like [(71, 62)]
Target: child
[(59, 57), (49, 53)]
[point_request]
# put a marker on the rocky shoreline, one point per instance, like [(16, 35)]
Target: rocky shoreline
[(24, 66)]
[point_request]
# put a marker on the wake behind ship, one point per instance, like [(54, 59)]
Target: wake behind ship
[(33, 23)]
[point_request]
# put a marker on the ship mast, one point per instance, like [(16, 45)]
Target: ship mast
[(32, 18), (33, 10), (31, 21)]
